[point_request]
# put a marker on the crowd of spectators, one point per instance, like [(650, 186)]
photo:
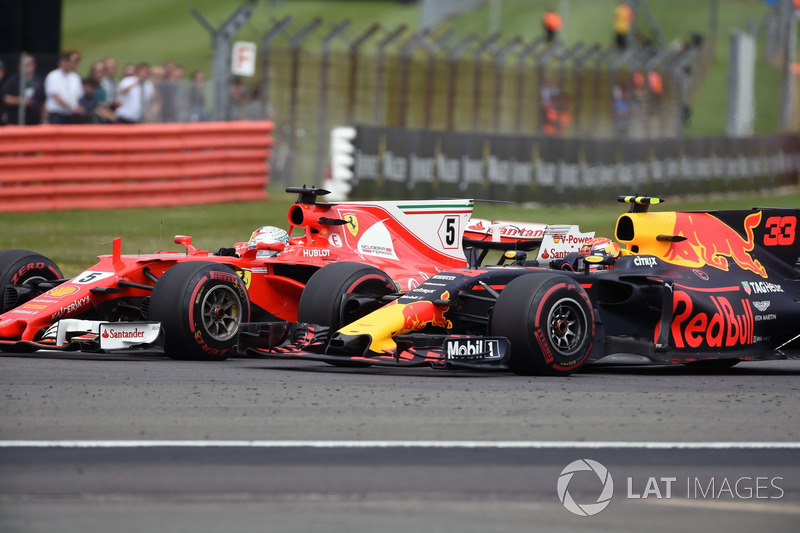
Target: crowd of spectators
[(142, 93)]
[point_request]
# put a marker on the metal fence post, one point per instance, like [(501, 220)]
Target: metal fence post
[(562, 76), (322, 110), (579, 63), (681, 85), (381, 70), (353, 73), (649, 68), (222, 43), (266, 42), (790, 39), (430, 75), (476, 96), (21, 93), (598, 65), (452, 62), (405, 58), (499, 59), (540, 75), (528, 50), (294, 85)]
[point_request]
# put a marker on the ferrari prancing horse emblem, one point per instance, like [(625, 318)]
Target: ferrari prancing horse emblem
[(352, 223)]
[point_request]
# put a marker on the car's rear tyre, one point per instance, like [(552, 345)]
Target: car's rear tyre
[(340, 293), (21, 268), (548, 320), (201, 307)]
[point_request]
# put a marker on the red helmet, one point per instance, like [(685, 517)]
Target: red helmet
[(601, 251)]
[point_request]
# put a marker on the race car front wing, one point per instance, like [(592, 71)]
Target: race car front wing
[(94, 336), (282, 340)]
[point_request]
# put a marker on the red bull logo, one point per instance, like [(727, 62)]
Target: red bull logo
[(422, 313), (709, 241), (724, 323), (398, 318)]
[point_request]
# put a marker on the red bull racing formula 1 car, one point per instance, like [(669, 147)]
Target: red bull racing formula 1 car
[(704, 288), (192, 304)]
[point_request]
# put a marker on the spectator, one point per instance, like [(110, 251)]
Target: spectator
[(170, 90), (2, 107), (135, 94), (197, 98), (63, 90), (555, 118), (97, 73), (128, 70), (256, 110), (109, 81), (622, 109), (33, 94), (153, 112), (180, 92), (89, 101), (552, 23), (238, 92), (102, 112), (623, 20)]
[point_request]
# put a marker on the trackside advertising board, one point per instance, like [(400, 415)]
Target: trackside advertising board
[(395, 162)]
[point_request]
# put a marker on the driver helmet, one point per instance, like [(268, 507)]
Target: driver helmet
[(602, 247), (269, 235)]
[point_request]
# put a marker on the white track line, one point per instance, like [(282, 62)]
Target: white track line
[(397, 444)]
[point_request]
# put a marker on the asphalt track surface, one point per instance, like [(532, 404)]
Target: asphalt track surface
[(147, 444)]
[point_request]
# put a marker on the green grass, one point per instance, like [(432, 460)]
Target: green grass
[(73, 238), (589, 21), (158, 31)]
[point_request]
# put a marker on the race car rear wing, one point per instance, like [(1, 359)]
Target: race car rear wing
[(551, 241)]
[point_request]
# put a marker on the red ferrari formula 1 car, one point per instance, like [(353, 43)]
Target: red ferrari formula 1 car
[(703, 288), (192, 304)]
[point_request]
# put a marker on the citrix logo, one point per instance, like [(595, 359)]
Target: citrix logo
[(586, 509)]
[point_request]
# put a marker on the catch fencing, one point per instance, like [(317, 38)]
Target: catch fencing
[(444, 81), (57, 167)]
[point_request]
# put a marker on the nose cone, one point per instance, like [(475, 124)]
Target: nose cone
[(11, 328)]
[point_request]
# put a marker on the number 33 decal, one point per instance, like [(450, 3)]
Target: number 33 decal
[(780, 231)]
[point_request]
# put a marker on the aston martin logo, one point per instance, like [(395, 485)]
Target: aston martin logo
[(352, 223)]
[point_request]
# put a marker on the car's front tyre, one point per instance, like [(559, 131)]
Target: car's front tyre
[(548, 320), (23, 270), (201, 306)]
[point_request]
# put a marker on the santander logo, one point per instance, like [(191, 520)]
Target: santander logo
[(122, 334)]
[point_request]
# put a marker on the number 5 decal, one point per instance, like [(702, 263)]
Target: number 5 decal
[(780, 231), (90, 277), (449, 231)]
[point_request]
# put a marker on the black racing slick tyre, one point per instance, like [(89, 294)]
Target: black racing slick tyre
[(549, 322), (340, 293), (23, 269), (201, 306)]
